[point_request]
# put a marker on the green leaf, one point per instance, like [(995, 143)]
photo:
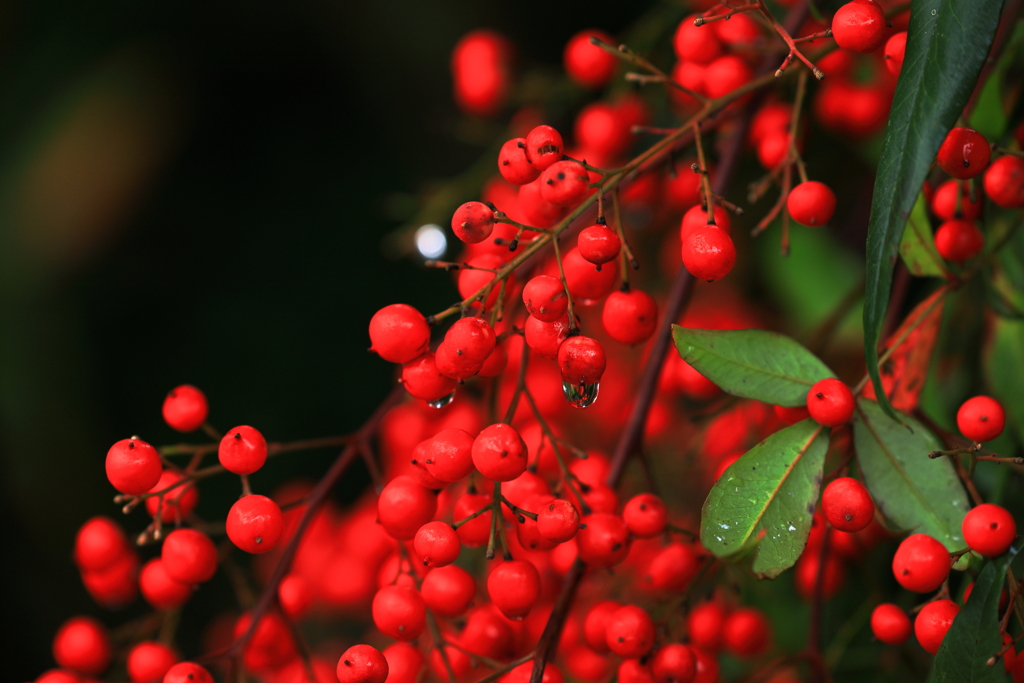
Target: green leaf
[(754, 364), (989, 114), (947, 43), (913, 491), (918, 245), (1004, 371), (767, 497), (974, 635)]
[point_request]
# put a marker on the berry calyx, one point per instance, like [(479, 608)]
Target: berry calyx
[(847, 504), (933, 622), (255, 524), (890, 624), (964, 153), (362, 664), (811, 203), (708, 253), (921, 563), (830, 402), (981, 419), (399, 333), (598, 244), (989, 529), (859, 26), (243, 450), (185, 408), (133, 466)]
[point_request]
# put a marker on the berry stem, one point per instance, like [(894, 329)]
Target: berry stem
[(518, 511), (574, 327), (705, 177), (627, 55), (438, 642), (626, 254), (513, 404), (701, 21), (568, 477), (788, 39)]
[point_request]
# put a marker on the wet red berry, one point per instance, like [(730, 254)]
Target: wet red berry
[(243, 450), (362, 664), (404, 506), (437, 544), (933, 622), (674, 663), (150, 661), (964, 153), (598, 244), (859, 26), (645, 515), (944, 202), (708, 253), (604, 541), (895, 48), (500, 453), (544, 146), (564, 183), (558, 521), (473, 222), (255, 524), (448, 591), (545, 298), (422, 379), (581, 361), (187, 672)]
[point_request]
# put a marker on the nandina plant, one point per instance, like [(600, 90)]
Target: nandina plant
[(589, 469)]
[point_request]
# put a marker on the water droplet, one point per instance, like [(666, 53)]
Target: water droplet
[(581, 395), (792, 528), (441, 402), (934, 12), (724, 526)]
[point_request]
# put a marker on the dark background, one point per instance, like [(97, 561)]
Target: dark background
[(197, 192)]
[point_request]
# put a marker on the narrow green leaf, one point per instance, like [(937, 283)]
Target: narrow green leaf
[(1004, 371), (989, 114), (974, 635), (918, 245), (947, 43), (754, 364), (767, 497), (913, 491)]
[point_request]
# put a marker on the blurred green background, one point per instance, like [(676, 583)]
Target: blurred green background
[(197, 192)]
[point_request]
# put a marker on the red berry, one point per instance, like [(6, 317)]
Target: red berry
[(558, 521), (481, 72), (726, 74), (545, 298), (437, 544), (177, 503), (964, 153), (133, 466), (399, 333), (159, 589), (895, 48), (1004, 182), (404, 663), (586, 283), (674, 663), (708, 253), (255, 524), (399, 612), (932, 623), (697, 217), (295, 596), (630, 316), (630, 632), (921, 563), (830, 402), (981, 419), (704, 624), (495, 363), (404, 506), (423, 380), (82, 645), (99, 544), (150, 661), (514, 586), (514, 165), (362, 664), (773, 148), (500, 453), (604, 541), (564, 183), (859, 26), (271, 644), (581, 361), (449, 365), (696, 43), (545, 339), (944, 201), (473, 222), (187, 672), (809, 567), (958, 240), (595, 625), (448, 455), (672, 568), (476, 531), (116, 585), (792, 415), (448, 591), (471, 340), (544, 146), (598, 244), (57, 676), (185, 408), (746, 632), (847, 504), (890, 624), (189, 556), (523, 672), (989, 529), (243, 450), (811, 203), (635, 671), (645, 515), (586, 63)]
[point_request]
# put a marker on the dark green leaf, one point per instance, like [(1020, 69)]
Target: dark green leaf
[(974, 636), (910, 489), (918, 245), (754, 364), (768, 497), (947, 43), (989, 115), (1004, 370)]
